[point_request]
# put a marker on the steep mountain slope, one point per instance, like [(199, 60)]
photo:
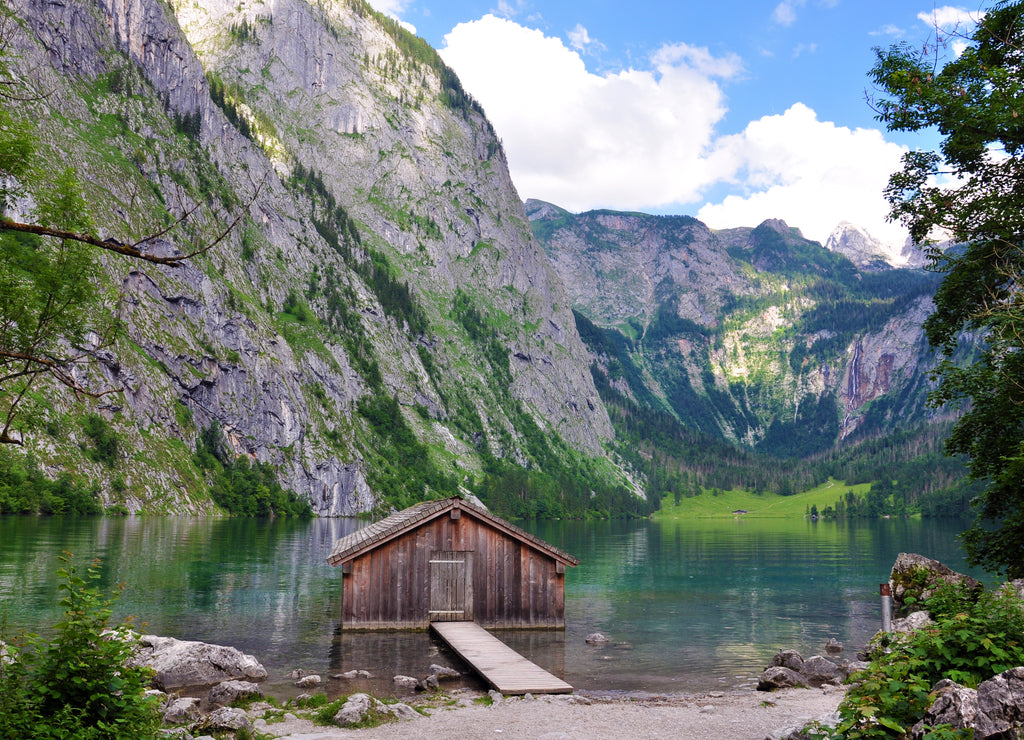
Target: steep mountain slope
[(757, 335), (380, 322)]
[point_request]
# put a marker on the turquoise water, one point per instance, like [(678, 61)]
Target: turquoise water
[(687, 606)]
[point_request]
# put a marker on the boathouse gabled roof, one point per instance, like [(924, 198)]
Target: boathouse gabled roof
[(367, 538)]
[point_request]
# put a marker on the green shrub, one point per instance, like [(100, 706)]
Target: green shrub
[(104, 448), (976, 635), (77, 684), (25, 490)]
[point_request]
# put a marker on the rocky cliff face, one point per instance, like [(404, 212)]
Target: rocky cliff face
[(382, 250), (756, 334)]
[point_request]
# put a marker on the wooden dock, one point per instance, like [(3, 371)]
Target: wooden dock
[(498, 664)]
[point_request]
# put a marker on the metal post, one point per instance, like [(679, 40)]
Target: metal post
[(886, 591)]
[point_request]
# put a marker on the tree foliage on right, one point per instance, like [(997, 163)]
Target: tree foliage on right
[(972, 192)]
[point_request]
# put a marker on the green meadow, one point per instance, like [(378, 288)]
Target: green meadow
[(721, 505)]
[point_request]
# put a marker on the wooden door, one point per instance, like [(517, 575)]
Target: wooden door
[(451, 586)]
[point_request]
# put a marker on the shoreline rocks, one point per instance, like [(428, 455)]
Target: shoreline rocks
[(184, 664), (790, 669)]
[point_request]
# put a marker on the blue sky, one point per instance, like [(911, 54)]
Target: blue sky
[(733, 112)]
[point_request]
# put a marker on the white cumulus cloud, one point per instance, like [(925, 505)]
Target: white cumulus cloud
[(579, 39), (785, 13), (810, 173), (647, 139), (954, 24), (630, 139), (950, 19)]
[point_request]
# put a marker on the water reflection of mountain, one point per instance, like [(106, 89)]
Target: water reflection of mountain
[(688, 606)]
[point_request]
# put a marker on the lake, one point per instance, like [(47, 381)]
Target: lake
[(688, 606)]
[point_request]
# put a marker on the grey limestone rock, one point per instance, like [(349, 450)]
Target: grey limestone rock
[(1000, 704), (354, 674), (185, 663), (819, 670), (916, 576), (789, 659), (182, 711), (224, 719), (405, 682), (357, 706), (429, 683), (401, 711), (354, 710), (954, 705), (779, 677), (444, 673), (309, 682), (228, 691), (911, 622)]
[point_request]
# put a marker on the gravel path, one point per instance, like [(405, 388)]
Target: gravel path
[(718, 716)]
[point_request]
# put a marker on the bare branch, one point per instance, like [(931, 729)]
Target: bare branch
[(111, 245)]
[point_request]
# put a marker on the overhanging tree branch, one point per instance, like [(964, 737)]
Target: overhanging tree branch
[(133, 250)]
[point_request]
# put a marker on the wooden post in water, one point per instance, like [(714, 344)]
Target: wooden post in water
[(886, 591)]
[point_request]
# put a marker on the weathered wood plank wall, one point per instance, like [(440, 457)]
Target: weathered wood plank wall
[(512, 585)]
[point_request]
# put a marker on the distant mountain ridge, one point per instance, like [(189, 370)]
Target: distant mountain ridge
[(754, 334)]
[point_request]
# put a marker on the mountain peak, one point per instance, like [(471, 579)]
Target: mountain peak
[(777, 225), (858, 245)]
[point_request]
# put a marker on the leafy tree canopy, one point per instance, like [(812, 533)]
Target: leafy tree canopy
[(972, 191)]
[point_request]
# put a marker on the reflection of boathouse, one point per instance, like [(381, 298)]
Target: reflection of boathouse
[(449, 561)]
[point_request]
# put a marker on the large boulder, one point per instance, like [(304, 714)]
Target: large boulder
[(1000, 704), (914, 578), (954, 705), (819, 670), (995, 710), (789, 659), (779, 677), (182, 663)]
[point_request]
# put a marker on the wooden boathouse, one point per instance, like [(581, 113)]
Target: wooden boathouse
[(449, 561)]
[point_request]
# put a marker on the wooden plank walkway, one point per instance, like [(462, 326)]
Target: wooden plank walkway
[(498, 664)]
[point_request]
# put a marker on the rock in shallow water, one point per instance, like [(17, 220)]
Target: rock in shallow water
[(183, 663)]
